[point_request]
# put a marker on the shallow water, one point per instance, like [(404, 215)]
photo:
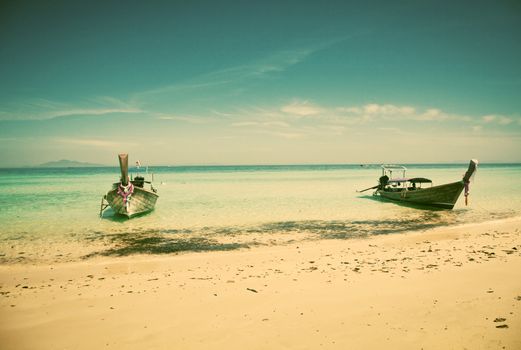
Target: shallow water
[(53, 213)]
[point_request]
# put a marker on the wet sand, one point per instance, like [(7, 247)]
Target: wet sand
[(445, 288)]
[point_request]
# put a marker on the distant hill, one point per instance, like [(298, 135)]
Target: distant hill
[(64, 163)]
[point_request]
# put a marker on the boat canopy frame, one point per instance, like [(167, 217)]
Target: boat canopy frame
[(389, 168)]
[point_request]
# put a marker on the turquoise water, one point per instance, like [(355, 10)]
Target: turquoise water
[(52, 214)]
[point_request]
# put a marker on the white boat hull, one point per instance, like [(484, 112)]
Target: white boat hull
[(141, 201)]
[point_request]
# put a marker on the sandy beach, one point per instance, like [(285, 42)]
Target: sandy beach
[(446, 288)]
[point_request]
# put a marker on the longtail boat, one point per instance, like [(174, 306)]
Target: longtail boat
[(129, 197), (410, 190)]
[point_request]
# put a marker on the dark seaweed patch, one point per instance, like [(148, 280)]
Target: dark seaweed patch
[(175, 240), (130, 243)]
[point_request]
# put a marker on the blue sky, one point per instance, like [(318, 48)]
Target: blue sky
[(204, 82)]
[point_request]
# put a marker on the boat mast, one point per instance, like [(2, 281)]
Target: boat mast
[(123, 166)]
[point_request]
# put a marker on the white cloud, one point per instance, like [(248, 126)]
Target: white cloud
[(374, 112), (372, 108), (306, 119), (488, 118), (301, 108), (500, 119), (387, 109), (432, 114), (350, 110), (186, 119), (358, 115), (288, 120), (222, 114)]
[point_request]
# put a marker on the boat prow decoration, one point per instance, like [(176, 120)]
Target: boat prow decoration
[(469, 175)]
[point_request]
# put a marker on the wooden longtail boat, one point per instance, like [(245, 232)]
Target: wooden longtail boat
[(129, 197), (410, 190)]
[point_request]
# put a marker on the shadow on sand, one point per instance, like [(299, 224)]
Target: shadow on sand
[(130, 243)]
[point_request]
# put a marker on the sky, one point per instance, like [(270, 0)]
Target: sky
[(260, 82)]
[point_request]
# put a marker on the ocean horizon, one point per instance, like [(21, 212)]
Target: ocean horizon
[(267, 165)]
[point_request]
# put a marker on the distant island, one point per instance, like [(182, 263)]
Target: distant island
[(64, 163)]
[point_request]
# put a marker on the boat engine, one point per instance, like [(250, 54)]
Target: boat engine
[(382, 182)]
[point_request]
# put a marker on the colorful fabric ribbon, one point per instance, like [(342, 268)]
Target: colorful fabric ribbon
[(467, 191), (126, 192)]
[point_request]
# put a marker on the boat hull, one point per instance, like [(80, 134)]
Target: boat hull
[(443, 196), (141, 201)]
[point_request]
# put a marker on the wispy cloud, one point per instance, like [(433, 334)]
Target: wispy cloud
[(38, 109), (182, 118), (195, 84), (222, 114), (92, 142), (88, 112), (206, 86), (279, 124), (276, 62)]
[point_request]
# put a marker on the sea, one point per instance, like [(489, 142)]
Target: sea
[(52, 214)]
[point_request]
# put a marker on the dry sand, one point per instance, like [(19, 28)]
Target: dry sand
[(447, 288)]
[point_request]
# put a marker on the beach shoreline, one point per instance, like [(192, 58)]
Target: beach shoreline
[(447, 287)]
